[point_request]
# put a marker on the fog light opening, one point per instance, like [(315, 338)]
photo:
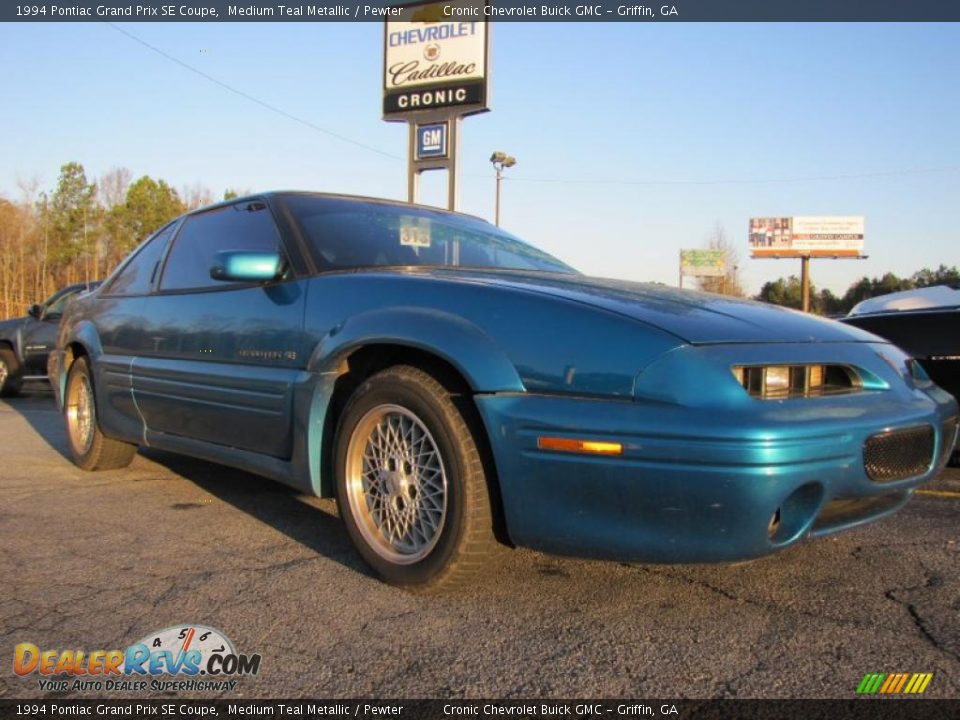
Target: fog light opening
[(774, 524), (796, 513)]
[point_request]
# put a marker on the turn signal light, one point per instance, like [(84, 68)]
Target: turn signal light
[(591, 447)]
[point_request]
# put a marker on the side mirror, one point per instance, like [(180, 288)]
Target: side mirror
[(246, 266), (34, 311)]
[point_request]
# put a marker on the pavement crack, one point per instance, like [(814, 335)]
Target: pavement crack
[(930, 580)]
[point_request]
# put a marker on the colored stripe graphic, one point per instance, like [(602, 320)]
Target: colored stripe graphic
[(871, 683), (894, 683)]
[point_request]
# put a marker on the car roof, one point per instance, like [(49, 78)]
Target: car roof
[(335, 196), (937, 297)]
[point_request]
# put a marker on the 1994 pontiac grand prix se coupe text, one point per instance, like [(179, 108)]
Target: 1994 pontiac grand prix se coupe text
[(454, 387)]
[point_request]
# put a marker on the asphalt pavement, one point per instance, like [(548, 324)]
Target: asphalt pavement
[(97, 561)]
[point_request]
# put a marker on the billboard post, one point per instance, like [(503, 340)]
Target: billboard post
[(435, 72), (806, 237)]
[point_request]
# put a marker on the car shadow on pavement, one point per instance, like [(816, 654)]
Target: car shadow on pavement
[(36, 405), (270, 502)]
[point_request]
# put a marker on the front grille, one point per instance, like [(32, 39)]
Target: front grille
[(949, 439), (898, 454)]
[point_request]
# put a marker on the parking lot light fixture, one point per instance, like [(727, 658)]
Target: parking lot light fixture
[(500, 161)]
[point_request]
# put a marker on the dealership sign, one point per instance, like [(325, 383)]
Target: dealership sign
[(811, 236), (434, 60), (703, 263), (432, 140)]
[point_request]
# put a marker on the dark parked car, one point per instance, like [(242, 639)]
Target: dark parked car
[(26, 342), (925, 323), (450, 384)]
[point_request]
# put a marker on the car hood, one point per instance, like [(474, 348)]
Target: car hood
[(695, 317)]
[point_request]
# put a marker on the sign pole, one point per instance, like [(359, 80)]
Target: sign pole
[(453, 168), (413, 175), (805, 283), (436, 71)]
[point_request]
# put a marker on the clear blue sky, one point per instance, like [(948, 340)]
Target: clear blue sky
[(655, 105)]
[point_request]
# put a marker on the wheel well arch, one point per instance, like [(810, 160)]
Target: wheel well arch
[(71, 353), (363, 362)]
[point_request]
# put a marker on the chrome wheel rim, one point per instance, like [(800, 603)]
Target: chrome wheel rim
[(396, 484), (3, 373), (80, 413)]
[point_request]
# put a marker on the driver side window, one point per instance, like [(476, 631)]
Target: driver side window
[(244, 226)]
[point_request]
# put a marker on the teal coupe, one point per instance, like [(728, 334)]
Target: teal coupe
[(454, 388)]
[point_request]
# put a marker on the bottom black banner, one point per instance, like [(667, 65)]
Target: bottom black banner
[(873, 708)]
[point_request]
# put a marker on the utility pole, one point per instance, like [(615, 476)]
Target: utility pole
[(500, 161)]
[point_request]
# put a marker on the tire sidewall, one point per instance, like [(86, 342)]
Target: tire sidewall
[(419, 400), (12, 383), (81, 366)]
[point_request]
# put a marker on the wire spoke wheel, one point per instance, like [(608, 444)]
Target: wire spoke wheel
[(410, 482), (396, 484), (81, 420)]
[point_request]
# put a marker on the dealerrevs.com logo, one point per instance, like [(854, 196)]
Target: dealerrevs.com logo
[(198, 657)]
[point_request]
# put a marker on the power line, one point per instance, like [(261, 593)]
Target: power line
[(520, 179), (251, 98), (764, 181)]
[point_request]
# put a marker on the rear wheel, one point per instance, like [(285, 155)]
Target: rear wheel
[(11, 376), (89, 447), (411, 486)]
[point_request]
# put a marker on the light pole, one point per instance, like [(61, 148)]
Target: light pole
[(500, 161)]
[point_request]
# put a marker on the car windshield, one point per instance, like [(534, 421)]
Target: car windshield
[(350, 234)]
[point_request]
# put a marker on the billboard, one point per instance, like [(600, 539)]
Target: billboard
[(806, 236), (703, 263), (434, 59)]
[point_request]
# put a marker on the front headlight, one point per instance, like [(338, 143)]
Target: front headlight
[(777, 382)]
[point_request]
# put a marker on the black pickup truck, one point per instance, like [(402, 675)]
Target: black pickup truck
[(26, 342), (925, 323)]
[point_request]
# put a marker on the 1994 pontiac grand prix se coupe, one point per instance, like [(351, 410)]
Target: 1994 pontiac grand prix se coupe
[(454, 387)]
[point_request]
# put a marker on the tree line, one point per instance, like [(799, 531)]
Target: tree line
[(79, 230), (787, 291)]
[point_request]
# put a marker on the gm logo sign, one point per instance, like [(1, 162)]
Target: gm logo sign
[(432, 141)]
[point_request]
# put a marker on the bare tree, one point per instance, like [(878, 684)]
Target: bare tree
[(731, 283), (113, 186), (196, 196)]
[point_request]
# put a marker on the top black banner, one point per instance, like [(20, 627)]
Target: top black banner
[(503, 11)]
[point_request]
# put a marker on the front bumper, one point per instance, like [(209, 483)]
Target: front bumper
[(699, 486)]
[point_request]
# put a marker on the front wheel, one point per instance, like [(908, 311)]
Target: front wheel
[(410, 482), (89, 447), (11, 379)]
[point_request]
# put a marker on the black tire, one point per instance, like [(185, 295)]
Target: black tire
[(11, 374), (89, 447), (456, 541)]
